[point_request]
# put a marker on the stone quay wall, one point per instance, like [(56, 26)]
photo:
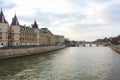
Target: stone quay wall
[(8, 53), (115, 48)]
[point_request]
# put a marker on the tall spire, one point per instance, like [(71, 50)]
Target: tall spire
[(2, 17), (1, 11), (15, 20), (35, 25)]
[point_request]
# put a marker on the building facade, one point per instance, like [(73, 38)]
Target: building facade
[(4, 26), (22, 35), (14, 32), (27, 36)]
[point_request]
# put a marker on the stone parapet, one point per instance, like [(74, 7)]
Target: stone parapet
[(8, 53)]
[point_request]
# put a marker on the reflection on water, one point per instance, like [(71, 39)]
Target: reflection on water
[(75, 63)]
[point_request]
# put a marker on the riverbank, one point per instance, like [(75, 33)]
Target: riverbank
[(115, 48), (8, 53)]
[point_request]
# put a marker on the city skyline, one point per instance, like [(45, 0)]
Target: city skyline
[(77, 20)]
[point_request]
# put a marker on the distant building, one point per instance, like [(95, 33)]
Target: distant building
[(60, 38), (115, 40)]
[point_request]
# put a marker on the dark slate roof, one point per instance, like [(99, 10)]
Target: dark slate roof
[(35, 25), (15, 21), (2, 16), (45, 30)]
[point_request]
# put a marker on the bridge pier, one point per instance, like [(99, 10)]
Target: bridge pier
[(97, 45), (90, 45), (83, 45)]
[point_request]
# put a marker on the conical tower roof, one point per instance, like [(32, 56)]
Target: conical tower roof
[(15, 21), (2, 17)]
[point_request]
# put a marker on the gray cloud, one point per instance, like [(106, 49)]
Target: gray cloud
[(49, 18), (26, 18), (7, 4), (88, 20), (112, 12), (101, 1), (75, 15), (43, 18)]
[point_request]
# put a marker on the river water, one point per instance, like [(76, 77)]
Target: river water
[(73, 63)]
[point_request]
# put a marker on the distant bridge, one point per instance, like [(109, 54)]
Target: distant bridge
[(85, 44), (89, 44)]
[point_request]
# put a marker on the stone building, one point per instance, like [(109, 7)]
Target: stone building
[(60, 39), (21, 35), (14, 32), (36, 32), (4, 26), (27, 36), (46, 36)]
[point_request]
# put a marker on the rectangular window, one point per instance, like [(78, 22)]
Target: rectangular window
[(0, 33), (0, 37), (1, 43)]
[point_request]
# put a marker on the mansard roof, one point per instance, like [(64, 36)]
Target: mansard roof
[(15, 21), (46, 30), (35, 25), (2, 17)]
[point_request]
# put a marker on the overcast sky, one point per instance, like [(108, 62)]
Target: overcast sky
[(75, 19)]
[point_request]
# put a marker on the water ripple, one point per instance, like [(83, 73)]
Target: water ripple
[(75, 63)]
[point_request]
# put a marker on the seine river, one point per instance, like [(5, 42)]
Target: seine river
[(73, 63)]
